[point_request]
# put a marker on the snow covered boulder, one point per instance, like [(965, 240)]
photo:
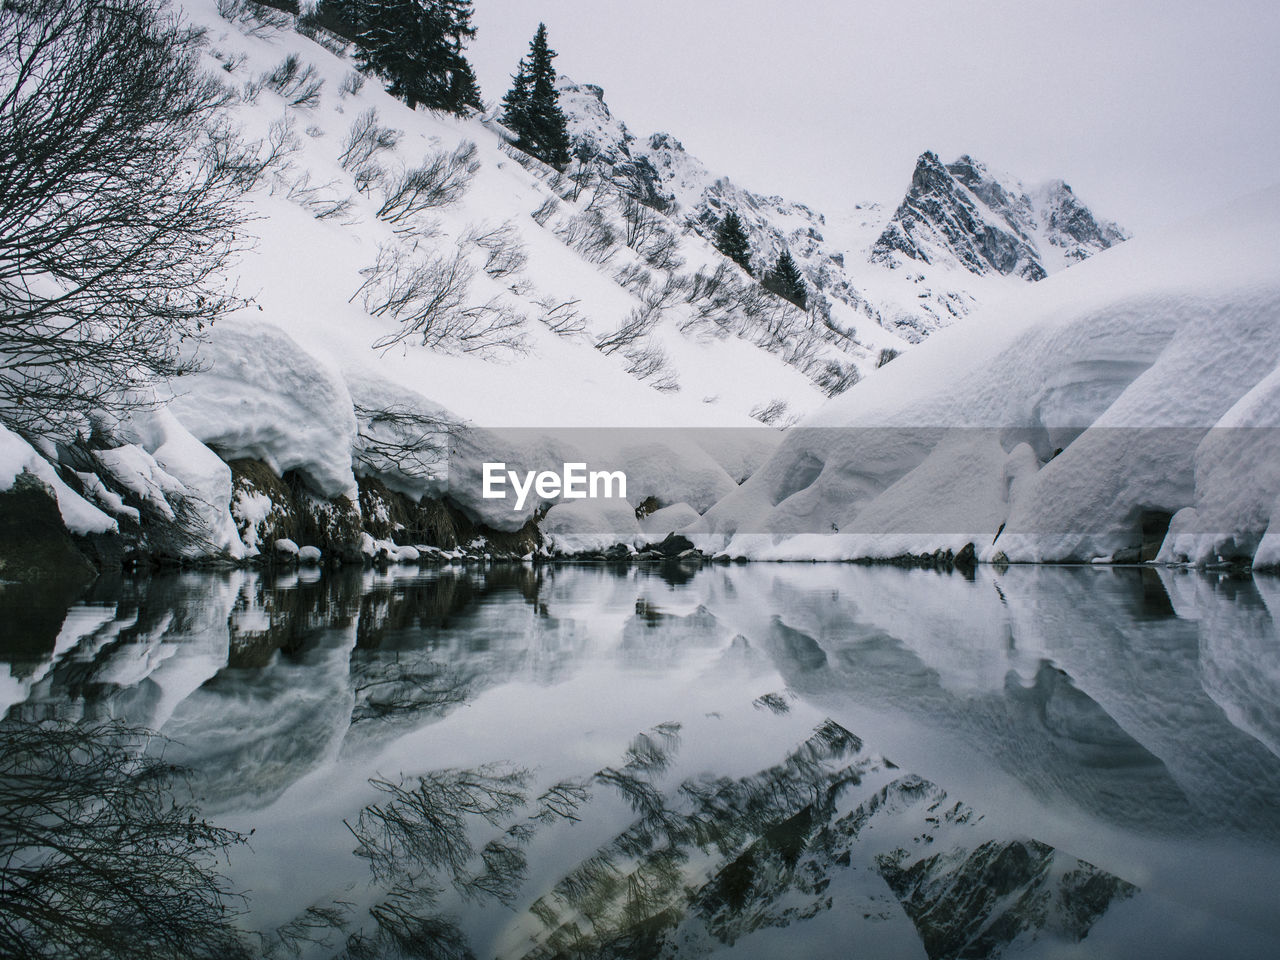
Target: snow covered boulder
[(677, 518), (261, 396), (591, 526), (185, 484), (286, 547)]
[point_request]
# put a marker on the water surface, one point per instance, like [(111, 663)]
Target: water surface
[(748, 761)]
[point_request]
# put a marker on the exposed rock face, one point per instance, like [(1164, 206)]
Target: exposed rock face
[(34, 542), (962, 212)]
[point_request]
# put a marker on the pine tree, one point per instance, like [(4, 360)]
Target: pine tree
[(732, 240), (785, 280), (417, 46), (531, 108)]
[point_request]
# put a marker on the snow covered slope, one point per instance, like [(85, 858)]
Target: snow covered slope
[(495, 296), (1135, 392)]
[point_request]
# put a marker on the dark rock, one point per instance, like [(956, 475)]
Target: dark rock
[(35, 546), (672, 546)]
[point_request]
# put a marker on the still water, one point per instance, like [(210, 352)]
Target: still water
[(749, 761)]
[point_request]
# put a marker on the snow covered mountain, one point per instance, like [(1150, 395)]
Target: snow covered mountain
[(958, 224), (962, 212)]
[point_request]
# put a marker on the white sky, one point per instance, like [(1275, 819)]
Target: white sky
[(1150, 110)]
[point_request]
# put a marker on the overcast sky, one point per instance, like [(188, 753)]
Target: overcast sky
[(1149, 110)]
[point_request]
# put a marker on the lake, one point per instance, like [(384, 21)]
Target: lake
[(741, 761)]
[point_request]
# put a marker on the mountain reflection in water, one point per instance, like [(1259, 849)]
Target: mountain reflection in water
[(537, 762)]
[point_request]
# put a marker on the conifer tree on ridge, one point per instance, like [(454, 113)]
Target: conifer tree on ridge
[(785, 280), (732, 240), (417, 47), (531, 109)]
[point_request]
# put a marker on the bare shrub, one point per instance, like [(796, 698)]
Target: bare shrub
[(658, 298), (365, 140), (637, 324), (639, 222), (320, 200), (633, 278), (253, 19), (835, 377), (417, 292), (427, 296), (351, 84), (887, 354), (399, 439), (505, 254), (248, 164), (299, 85), (661, 251), (591, 235), (545, 211), (119, 212), (562, 319), (773, 413), (441, 179), (647, 361)]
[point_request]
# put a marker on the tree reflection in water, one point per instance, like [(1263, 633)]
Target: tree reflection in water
[(98, 855)]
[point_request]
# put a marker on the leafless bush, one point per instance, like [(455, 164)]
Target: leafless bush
[(253, 19), (661, 251), (427, 297), (835, 377), (399, 439), (658, 298), (545, 211), (887, 354), (584, 173), (647, 361), (773, 413), (633, 278), (308, 26), (505, 254), (442, 179), (519, 156), (639, 222), (365, 140), (299, 85), (351, 84), (707, 286), (231, 62), (247, 164), (591, 235), (638, 324), (562, 319), (118, 203), (320, 199), (417, 292)]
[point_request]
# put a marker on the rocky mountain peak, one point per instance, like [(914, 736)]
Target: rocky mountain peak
[(963, 213)]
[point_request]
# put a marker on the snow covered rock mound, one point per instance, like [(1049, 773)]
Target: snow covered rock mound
[(1101, 408)]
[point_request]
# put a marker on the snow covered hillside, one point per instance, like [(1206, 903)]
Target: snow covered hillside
[(414, 282), (1124, 409)]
